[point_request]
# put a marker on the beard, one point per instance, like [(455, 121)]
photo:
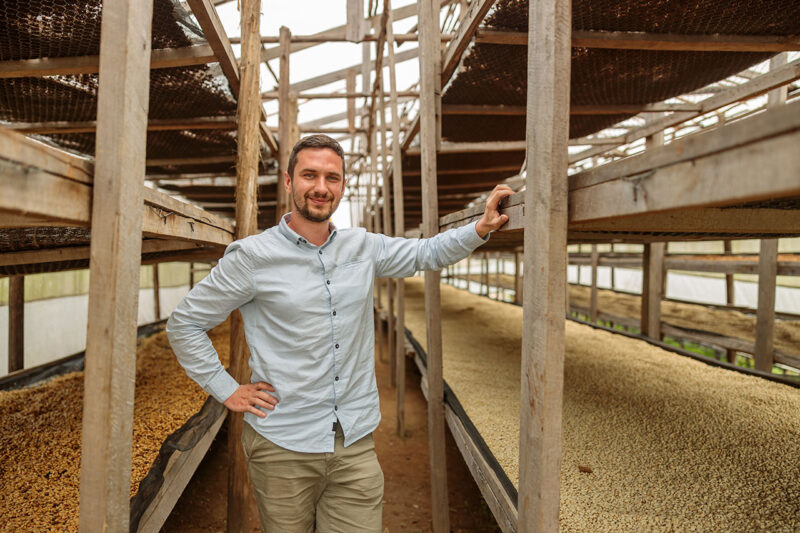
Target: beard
[(320, 213)]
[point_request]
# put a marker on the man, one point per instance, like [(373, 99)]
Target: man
[(305, 292)]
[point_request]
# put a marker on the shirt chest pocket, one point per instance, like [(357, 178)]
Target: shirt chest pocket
[(353, 280)]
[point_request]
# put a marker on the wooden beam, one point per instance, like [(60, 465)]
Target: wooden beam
[(247, 155), (348, 95), (506, 110), (90, 126), (156, 293), (16, 323), (199, 54), (467, 28), (622, 40), (729, 165), (284, 123), (78, 253), (545, 238), (399, 223), (593, 297), (356, 26), (429, 76), (110, 374), (212, 27), (184, 161)]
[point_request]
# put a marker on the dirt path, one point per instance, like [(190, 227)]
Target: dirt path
[(202, 507)]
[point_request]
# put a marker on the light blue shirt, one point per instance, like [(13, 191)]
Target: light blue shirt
[(308, 320)]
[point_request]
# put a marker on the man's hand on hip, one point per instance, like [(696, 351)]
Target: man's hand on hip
[(492, 219), (248, 398)]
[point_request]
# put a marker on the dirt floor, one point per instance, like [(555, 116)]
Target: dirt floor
[(202, 508)]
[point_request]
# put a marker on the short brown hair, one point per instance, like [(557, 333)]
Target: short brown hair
[(314, 141)]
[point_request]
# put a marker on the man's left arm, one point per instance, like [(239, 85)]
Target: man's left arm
[(399, 257)]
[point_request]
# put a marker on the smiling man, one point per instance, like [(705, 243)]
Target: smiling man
[(305, 291)]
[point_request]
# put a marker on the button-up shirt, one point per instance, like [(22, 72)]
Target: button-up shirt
[(308, 320)]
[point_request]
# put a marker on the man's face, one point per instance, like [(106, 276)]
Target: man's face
[(318, 183)]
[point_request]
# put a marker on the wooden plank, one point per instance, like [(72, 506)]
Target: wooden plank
[(517, 279), (284, 124), (496, 497), (688, 43), (350, 87), (739, 174), (90, 126), (652, 289), (16, 323), (428, 29), (467, 28), (593, 297), (630, 40), (247, 156), (156, 293), (110, 373), (349, 95), (545, 240), (179, 471), (505, 110), (199, 54), (355, 27), (399, 229)]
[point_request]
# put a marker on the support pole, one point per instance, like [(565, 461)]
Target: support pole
[(284, 121), (248, 113), (652, 270), (156, 294), (517, 280), (547, 125), (115, 259), (429, 74), (768, 263), (730, 355), (191, 275), (16, 323), (497, 280), (387, 228), (593, 299)]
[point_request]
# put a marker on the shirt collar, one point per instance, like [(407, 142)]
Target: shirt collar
[(298, 239)]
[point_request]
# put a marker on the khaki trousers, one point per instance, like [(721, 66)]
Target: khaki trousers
[(339, 492)]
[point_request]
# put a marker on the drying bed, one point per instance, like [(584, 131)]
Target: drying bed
[(672, 443), (40, 435)]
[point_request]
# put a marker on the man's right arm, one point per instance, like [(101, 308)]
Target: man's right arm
[(228, 286)]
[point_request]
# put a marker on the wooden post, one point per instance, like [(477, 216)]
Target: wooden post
[(469, 280), (545, 239), (485, 274), (768, 263), (115, 259), (652, 270), (156, 294), (517, 280), (191, 275), (497, 279), (428, 11), (593, 299), (354, 30), (16, 323), (399, 225), (387, 226), (248, 113), (730, 355), (284, 122), (613, 272), (350, 87)]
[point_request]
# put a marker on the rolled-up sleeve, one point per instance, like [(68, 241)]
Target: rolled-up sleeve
[(228, 286), (400, 258)]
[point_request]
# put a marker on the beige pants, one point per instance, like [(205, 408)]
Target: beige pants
[(339, 492)]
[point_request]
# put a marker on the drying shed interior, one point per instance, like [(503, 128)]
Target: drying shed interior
[(136, 133)]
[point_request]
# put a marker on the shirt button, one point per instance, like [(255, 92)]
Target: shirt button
[(337, 346), (335, 407), (320, 252), (328, 281), (336, 378), (334, 313)]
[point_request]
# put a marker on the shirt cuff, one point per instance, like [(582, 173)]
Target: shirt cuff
[(476, 240), (222, 386)]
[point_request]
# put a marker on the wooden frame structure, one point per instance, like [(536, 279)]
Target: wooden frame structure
[(698, 186)]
